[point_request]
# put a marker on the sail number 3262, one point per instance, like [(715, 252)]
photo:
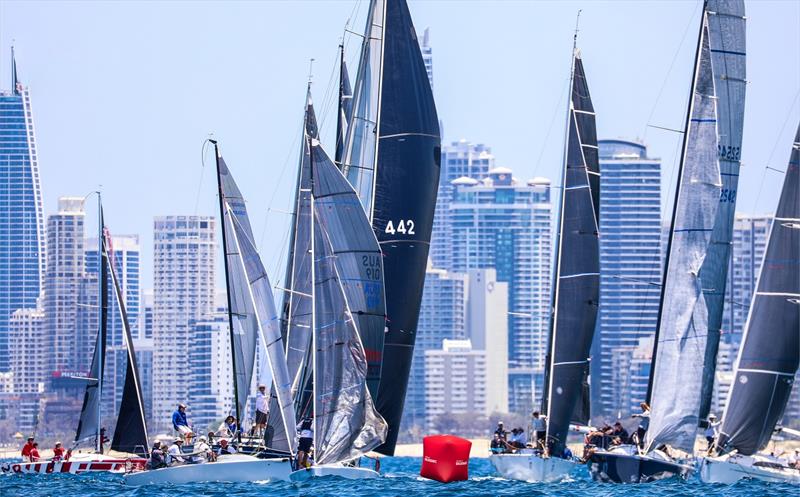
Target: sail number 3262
[(404, 227)]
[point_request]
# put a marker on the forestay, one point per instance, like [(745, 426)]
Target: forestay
[(726, 38), (577, 273), (348, 303), (770, 349), (683, 317)]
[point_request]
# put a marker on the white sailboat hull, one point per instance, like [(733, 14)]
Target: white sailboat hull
[(338, 470), (228, 468), (79, 463), (532, 467), (730, 469)]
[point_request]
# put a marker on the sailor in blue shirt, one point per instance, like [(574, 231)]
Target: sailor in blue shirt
[(181, 424)]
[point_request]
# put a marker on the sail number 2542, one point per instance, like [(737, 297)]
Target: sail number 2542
[(403, 226)]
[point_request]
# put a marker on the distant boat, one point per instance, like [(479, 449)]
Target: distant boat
[(698, 254), (392, 158), (253, 319), (576, 296), (130, 434), (347, 310), (769, 353)]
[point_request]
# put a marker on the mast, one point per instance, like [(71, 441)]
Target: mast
[(689, 109), (228, 288), (315, 399), (102, 284)]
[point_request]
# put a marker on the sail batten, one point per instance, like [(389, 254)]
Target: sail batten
[(770, 350)]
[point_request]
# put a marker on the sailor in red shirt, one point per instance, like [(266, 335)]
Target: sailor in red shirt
[(35, 452), (26, 450), (58, 452)]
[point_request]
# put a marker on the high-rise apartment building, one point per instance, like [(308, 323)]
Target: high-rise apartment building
[(64, 274), (630, 272), (211, 380), (183, 277), (28, 355), (22, 241), (455, 381), (146, 315), (427, 53), (500, 223)]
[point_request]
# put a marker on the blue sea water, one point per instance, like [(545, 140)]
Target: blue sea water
[(402, 480)]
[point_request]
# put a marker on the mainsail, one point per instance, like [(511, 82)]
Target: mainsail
[(242, 321), (726, 40), (89, 421), (345, 108), (130, 434), (260, 295), (392, 159), (770, 349), (577, 273), (348, 317), (680, 345)]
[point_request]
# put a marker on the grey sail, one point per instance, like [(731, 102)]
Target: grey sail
[(677, 367), (577, 272), (296, 310), (268, 323), (726, 39), (345, 108), (770, 349), (242, 318), (89, 420), (348, 304)]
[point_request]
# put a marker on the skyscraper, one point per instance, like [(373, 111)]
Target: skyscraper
[(630, 271), (211, 380), (455, 381), (22, 242), (184, 271), (500, 223), (64, 274), (124, 253), (28, 356), (427, 53)]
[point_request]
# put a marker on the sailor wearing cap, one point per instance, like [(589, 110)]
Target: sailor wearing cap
[(175, 454), (181, 424)]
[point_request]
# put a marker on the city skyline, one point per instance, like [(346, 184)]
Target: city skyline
[(251, 121)]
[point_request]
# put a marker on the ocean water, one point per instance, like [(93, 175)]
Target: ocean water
[(401, 480)]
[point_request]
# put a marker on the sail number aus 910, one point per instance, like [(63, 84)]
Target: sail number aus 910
[(404, 227)]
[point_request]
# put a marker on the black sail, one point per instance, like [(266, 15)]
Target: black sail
[(577, 274), (130, 434), (770, 349), (398, 186)]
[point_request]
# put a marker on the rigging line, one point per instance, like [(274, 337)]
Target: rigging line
[(203, 151), (689, 24), (778, 140), (558, 107)]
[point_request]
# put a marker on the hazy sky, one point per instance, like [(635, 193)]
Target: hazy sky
[(124, 93)]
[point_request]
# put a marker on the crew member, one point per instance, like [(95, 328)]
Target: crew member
[(181, 424), (157, 459), (26, 450), (501, 431), (262, 409), (644, 423), (620, 434), (175, 453), (225, 448), (305, 439), (35, 452), (58, 452), (711, 431), (539, 425)]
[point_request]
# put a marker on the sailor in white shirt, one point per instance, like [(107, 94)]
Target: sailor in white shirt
[(262, 409), (174, 453)]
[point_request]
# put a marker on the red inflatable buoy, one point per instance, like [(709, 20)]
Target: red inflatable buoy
[(445, 458)]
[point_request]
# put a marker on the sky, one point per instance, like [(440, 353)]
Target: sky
[(125, 93)]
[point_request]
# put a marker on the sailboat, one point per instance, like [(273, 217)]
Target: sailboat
[(576, 296), (253, 319), (769, 353), (130, 433), (694, 273), (392, 159), (347, 319)]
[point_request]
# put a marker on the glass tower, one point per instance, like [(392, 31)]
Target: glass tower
[(21, 222), (630, 274)]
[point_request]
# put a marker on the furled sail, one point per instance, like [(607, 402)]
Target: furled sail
[(726, 40), (392, 159), (770, 349), (242, 319), (267, 320), (349, 318), (89, 421), (683, 314), (130, 434), (577, 273)]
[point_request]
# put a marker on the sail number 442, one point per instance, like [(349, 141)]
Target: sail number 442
[(404, 227)]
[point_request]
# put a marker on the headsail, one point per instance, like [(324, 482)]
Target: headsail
[(130, 434), (770, 349), (677, 367), (726, 40), (348, 306), (577, 273), (345, 108), (89, 421), (396, 178), (260, 295), (242, 319)]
